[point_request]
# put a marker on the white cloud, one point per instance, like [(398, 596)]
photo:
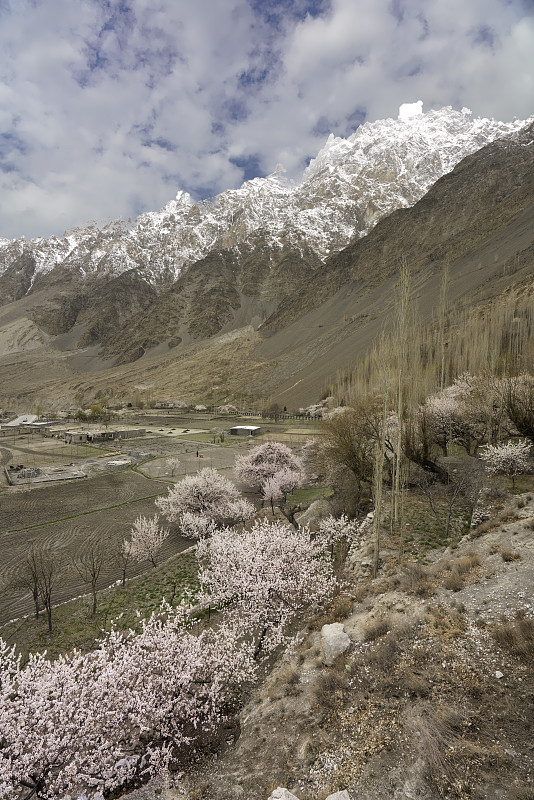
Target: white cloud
[(108, 108)]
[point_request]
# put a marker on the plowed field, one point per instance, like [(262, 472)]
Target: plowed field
[(67, 518)]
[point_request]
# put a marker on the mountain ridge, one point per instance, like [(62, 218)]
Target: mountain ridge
[(350, 184), (273, 321)]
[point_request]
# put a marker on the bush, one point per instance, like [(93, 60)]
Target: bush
[(328, 688), (509, 555), (467, 563), (384, 654), (454, 582)]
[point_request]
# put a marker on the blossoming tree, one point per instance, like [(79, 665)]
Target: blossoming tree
[(146, 539), (200, 503), (265, 576), (100, 720), (510, 458)]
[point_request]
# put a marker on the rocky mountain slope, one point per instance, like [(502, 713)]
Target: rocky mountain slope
[(262, 292)]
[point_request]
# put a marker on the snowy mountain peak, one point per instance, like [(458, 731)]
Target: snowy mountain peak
[(344, 191), (408, 110)]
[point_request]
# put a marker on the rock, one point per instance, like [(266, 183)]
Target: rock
[(344, 795), (282, 794), (314, 514), (335, 641), (499, 675)]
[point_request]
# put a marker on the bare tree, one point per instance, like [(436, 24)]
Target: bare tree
[(89, 565), (460, 492), (122, 556), (28, 576), (519, 403), (48, 570)]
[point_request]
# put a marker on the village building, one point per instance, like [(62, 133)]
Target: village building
[(245, 430)]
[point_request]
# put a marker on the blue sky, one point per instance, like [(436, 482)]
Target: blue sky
[(109, 107)]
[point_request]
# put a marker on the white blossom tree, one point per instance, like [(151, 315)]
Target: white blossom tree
[(146, 539), (264, 461), (265, 576), (272, 491), (279, 485), (97, 721), (173, 463), (338, 529), (510, 458), (208, 496)]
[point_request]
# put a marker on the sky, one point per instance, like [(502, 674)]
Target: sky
[(109, 107)]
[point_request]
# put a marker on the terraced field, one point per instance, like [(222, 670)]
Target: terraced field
[(67, 518), (20, 510)]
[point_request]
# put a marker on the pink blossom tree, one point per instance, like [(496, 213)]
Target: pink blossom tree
[(208, 496), (510, 458), (468, 412), (146, 539), (265, 576)]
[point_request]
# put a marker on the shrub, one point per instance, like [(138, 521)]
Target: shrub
[(509, 555), (454, 582), (328, 688), (384, 654), (416, 580), (467, 563)]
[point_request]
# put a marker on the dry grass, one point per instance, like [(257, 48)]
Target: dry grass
[(339, 610), (437, 735), (487, 526), (384, 654), (361, 592), (467, 563), (517, 637), (288, 681), (447, 621), (413, 682), (416, 580), (328, 688), (454, 582), (375, 628)]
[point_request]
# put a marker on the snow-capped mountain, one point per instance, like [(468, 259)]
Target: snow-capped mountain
[(345, 190)]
